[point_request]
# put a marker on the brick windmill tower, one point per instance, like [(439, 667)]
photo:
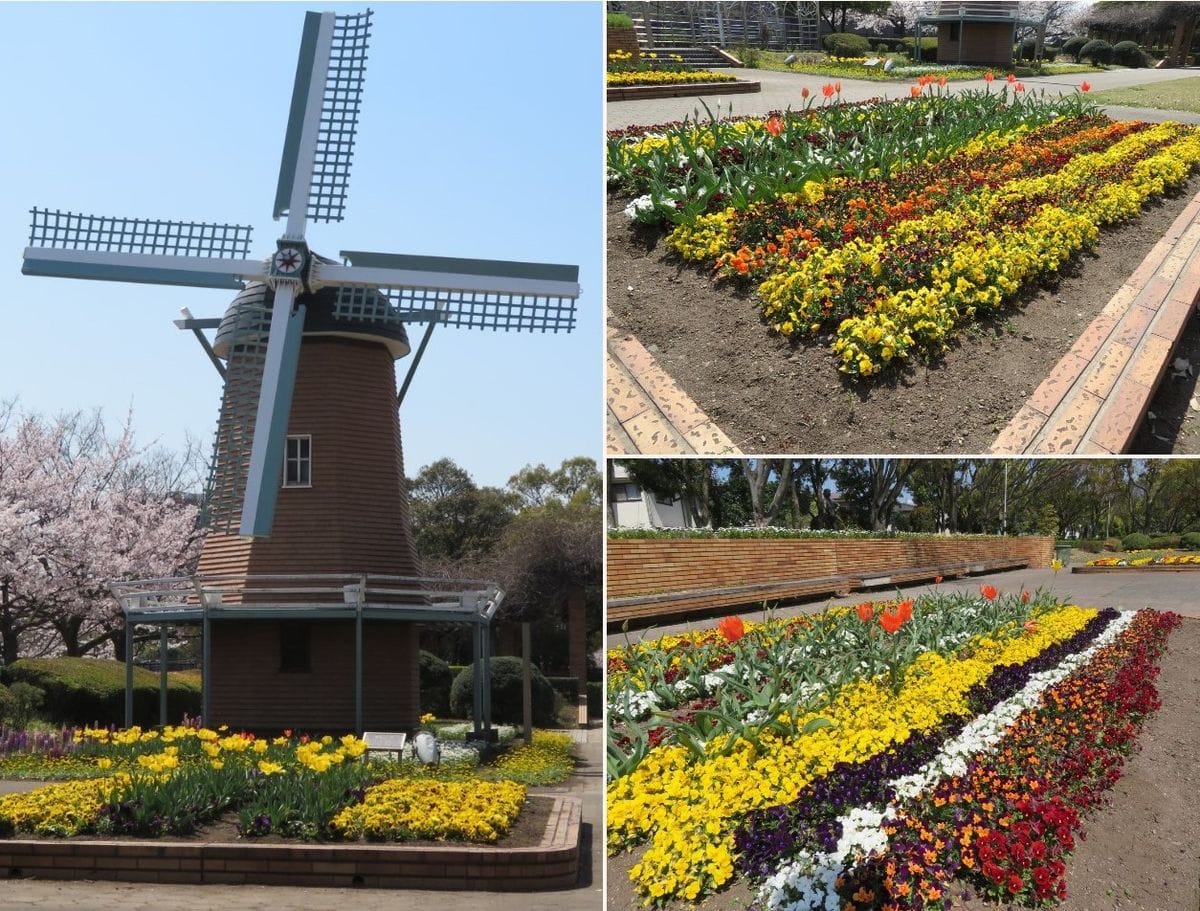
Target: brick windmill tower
[(308, 589)]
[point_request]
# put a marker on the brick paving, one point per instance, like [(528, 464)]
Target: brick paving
[(1096, 397)]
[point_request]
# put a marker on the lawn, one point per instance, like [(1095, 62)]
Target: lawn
[(1175, 95)]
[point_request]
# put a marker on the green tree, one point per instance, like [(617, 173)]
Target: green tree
[(452, 517)]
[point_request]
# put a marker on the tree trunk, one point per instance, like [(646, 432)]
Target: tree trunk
[(577, 639)]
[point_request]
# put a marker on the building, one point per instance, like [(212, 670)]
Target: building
[(981, 32), (630, 506)]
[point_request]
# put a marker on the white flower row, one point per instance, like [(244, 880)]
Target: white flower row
[(807, 882)]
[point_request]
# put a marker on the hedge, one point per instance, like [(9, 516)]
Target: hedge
[(507, 698), (436, 678), (83, 691)]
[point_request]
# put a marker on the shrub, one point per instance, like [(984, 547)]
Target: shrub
[(1074, 45), (1135, 541), (1027, 49), (435, 685), (1097, 51), (1164, 541), (1190, 540), (750, 56), (845, 44), (928, 48), (1049, 54), (8, 705), (507, 703), (1113, 544), (619, 20), (1127, 53), (82, 691)]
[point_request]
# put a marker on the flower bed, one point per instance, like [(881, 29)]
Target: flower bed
[(1145, 559), (150, 783), (889, 226), (802, 755), (665, 77)]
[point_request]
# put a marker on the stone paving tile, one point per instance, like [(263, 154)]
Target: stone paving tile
[(1054, 387), (1123, 412), (1069, 425), (1108, 368)]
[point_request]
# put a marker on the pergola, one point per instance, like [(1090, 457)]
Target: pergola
[(209, 599)]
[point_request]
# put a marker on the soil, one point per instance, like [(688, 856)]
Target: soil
[(1141, 852), (772, 395), (526, 832)]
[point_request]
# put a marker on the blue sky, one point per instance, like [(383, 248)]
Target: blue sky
[(480, 136)]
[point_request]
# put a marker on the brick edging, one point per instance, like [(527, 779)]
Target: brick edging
[(636, 92), (552, 864)]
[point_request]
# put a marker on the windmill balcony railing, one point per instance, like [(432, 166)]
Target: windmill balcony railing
[(323, 595)]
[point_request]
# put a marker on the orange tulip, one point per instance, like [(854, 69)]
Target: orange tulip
[(804, 93), (774, 126), (837, 87), (890, 622), (827, 90), (915, 91), (1085, 86), (1024, 597), (937, 580), (1019, 87), (732, 628), (865, 611), (988, 591), (942, 82), (989, 76), (904, 610), (1011, 77)]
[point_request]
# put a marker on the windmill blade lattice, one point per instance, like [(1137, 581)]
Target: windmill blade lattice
[(344, 57)]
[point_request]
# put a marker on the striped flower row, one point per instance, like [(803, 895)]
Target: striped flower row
[(688, 810)]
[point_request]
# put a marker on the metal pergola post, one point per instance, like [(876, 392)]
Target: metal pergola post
[(162, 675), (206, 668), (485, 636), (358, 669), (477, 677), (129, 627)]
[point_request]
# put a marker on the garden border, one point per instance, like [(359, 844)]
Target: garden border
[(553, 864), (639, 92)]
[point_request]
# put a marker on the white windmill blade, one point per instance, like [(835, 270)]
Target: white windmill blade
[(108, 248), (314, 173), (274, 409), (470, 293)]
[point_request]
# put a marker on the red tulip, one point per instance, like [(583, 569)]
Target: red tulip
[(1085, 86), (1024, 597), (989, 76), (988, 591), (1019, 87), (1011, 77), (732, 628), (865, 611), (804, 93), (828, 90), (891, 621), (904, 610)]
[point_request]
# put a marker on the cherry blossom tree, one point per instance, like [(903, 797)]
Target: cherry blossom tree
[(78, 509)]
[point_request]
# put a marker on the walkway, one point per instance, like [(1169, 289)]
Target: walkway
[(782, 90), (648, 413), (588, 783), (1161, 591)]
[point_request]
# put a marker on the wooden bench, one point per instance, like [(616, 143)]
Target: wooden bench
[(648, 413), (1097, 396)]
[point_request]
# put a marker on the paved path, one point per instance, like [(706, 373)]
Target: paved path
[(782, 90), (588, 783), (1179, 592)]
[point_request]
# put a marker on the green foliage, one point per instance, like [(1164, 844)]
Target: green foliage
[(1074, 45), (750, 56), (8, 705), (1098, 51), (619, 20), (627, 534), (1190, 540), (24, 700), (1164, 541), (435, 685), (83, 691), (846, 44), (1113, 544), (1027, 49), (1127, 53), (507, 703), (928, 48), (1135, 541), (1047, 520)]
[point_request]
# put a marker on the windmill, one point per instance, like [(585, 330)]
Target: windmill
[(307, 481)]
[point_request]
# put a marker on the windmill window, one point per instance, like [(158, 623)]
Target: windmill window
[(297, 464), (295, 648)]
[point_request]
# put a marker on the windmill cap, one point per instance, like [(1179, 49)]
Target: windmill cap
[(248, 321)]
